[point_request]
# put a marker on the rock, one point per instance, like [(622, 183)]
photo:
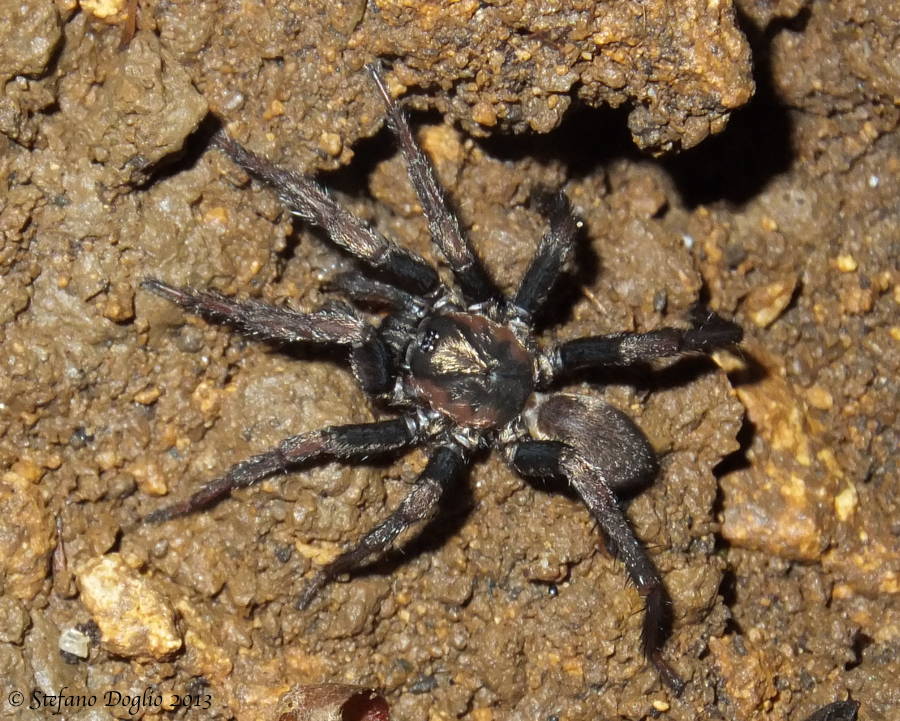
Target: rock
[(135, 620), (26, 536)]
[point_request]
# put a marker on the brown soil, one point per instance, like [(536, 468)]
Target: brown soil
[(775, 517)]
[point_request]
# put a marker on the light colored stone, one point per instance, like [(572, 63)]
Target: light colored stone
[(135, 620)]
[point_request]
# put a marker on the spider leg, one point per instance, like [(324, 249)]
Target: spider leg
[(552, 253), (444, 467), (476, 284), (307, 199), (360, 289), (602, 504), (598, 449), (536, 459), (343, 442), (330, 324), (333, 323), (708, 332)]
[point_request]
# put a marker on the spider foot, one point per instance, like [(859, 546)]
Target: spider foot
[(657, 617), (710, 330), (666, 673)]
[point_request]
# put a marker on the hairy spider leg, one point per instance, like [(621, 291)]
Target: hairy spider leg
[(596, 447), (601, 501), (444, 468), (600, 450), (336, 323), (541, 459), (708, 332), (356, 441), (307, 199), (473, 279), (549, 259), (369, 292)]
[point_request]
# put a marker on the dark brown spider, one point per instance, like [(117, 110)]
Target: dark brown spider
[(461, 367)]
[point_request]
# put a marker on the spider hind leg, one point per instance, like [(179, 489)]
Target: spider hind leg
[(599, 450), (445, 466)]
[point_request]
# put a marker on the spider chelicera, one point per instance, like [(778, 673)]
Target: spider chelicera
[(461, 367)]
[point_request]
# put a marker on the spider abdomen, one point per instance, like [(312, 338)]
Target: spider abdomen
[(471, 369)]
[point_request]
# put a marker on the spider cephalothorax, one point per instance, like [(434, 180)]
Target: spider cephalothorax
[(461, 367), (471, 369)]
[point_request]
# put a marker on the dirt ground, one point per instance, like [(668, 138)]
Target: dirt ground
[(746, 155)]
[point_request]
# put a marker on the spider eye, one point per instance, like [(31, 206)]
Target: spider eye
[(429, 341)]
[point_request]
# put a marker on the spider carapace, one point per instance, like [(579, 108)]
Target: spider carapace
[(460, 366), (471, 369)]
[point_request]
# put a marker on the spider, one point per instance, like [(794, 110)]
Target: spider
[(460, 366)]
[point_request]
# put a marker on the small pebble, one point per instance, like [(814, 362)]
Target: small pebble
[(75, 642), (135, 620)]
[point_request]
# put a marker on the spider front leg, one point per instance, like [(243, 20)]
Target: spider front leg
[(600, 450), (708, 332), (473, 279), (305, 198), (549, 260), (335, 323), (342, 442), (367, 291), (444, 467)]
